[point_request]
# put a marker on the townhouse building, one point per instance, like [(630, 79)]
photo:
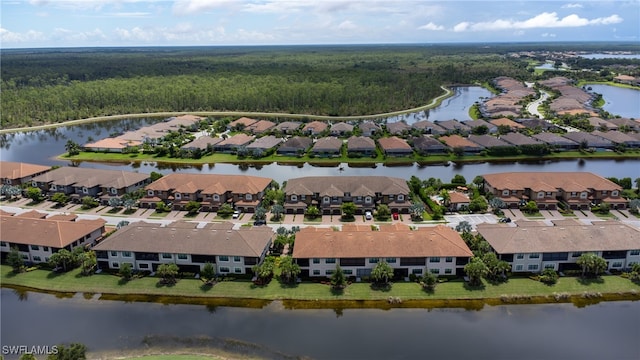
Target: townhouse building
[(18, 173)]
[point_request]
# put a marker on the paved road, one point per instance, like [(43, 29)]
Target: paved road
[(532, 108), (473, 219)]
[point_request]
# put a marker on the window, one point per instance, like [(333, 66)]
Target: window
[(166, 256), (182, 256), (126, 253), (549, 266), (328, 272), (448, 271), (505, 192), (143, 266), (348, 272), (540, 194), (248, 197), (223, 258), (316, 261), (54, 187), (237, 259), (391, 197), (574, 194), (534, 256), (367, 200), (548, 193), (294, 198), (34, 184), (583, 195), (391, 260), (35, 247), (617, 264), (347, 194), (519, 267), (115, 264), (519, 256), (316, 272), (330, 261), (326, 200), (634, 252), (373, 260), (435, 271), (45, 248), (416, 271), (114, 191), (24, 256), (37, 258), (532, 267), (400, 197), (449, 259), (614, 193), (2, 243), (216, 197), (303, 197), (114, 253), (149, 192), (85, 190), (434, 259), (604, 192), (576, 254), (224, 269), (178, 196), (237, 270)]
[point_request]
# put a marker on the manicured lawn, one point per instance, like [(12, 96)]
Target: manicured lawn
[(176, 357), (457, 289)]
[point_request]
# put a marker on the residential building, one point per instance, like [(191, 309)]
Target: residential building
[(512, 125), (38, 238), (361, 146), (328, 193), (538, 124), (295, 146), (425, 144), (232, 143), (627, 79), (202, 143), (428, 127), (626, 124), (618, 138), (601, 124), (315, 128), (264, 144), (287, 127), (454, 127), (369, 128), (146, 246), (341, 129), (18, 173), (327, 147), (241, 124), (457, 141), (395, 146), (556, 141), (532, 246), (80, 182), (488, 141), (115, 145), (243, 192), (438, 249), (518, 139), (398, 128), (260, 127), (577, 190), (458, 201), (475, 124), (591, 141)]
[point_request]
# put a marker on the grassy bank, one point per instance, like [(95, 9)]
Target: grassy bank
[(582, 83), (189, 290)]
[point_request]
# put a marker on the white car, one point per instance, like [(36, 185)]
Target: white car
[(368, 215), (236, 214)]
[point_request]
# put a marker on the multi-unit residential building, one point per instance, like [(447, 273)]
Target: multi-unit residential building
[(439, 250), (534, 246), (18, 173), (328, 193), (145, 246), (575, 189), (80, 182), (37, 238), (243, 192)]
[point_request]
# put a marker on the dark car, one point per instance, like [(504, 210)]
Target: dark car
[(505, 220), (259, 222)]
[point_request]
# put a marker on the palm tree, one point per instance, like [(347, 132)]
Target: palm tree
[(72, 148), (277, 210), (382, 273), (288, 269)]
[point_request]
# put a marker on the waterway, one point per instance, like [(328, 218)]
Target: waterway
[(607, 330), (611, 56), (619, 101)]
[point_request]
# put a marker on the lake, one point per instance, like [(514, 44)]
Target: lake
[(619, 101), (611, 56), (607, 330)]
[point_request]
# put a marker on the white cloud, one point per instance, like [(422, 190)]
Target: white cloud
[(129, 14), (572, 6), (187, 7), (431, 26), (7, 36), (544, 20), (347, 25), (551, 35)]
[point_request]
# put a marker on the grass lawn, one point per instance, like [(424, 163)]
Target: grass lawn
[(242, 289), (176, 357)]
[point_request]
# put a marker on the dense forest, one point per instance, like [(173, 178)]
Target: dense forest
[(54, 85)]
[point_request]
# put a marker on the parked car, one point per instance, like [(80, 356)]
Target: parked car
[(395, 216), (368, 215), (236, 214), (505, 220), (259, 222)]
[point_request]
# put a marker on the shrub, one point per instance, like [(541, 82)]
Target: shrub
[(549, 276)]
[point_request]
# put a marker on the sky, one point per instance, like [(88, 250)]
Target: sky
[(91, 23)]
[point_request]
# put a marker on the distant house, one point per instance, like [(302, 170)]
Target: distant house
[(428, 145), (398, 128), (315, 128), (18, 173), (628, 124), (591, 141), (264, 143), (260, 127), (457, 141), (39, 238), (538, 124), (518, 139), (428, 127), (340, 129), (556, 141), (115, 145), (394, 146), (287, 127), (146, 246), (601, 124), (488, 141), (295, 146), (454, 127), (232, 143), (241, 123), (327, 147), (458, 201), (361, 145), (369, 128), (618, 137), (474, 124), (626, 79), (514, 126), (202, 143)]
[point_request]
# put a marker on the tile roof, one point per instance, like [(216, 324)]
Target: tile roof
[(316, 126), (507, 122), (45, 232), (440, 241), (426, 124), (265, 142), (488, 141), (202, 142), (454, 141), (287, 126), (615, 136), (211, 183), (260, 126), (592, 140), (393, 143), (88, 177), (341, 127), (569, 181), (112, 143), (360, 143), (427, 142), (236, 140), (397, 127), (339, 185), (244, 121), (453, 125), (518, 139), (186, 239), (328, 144), (18, 170), (553, 139), (297, 142)]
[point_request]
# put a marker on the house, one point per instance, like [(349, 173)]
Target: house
[(457, 141), (260, 127), (534, 246), (18, 173), (625, 124), (115, 145), (369, 128), (438, 249), (295, 146), (264, 144), (428, 127), (80, 182), (556, 141), (315, 128), (328, 193), (398, 128), (327, 147), (512, 125), (538, 124), (232, 143), (394, 146), (341, 129), (146, 246), (241, 123), (203, 143), (518, 139), (458, 201), (243, 192), (618, 138), (577, 190), (425, 144), (454, 127), (627, 79), (601, 124), (488, 141), (361, 145), (39, 238), (476, 124), (287, 127), (591, 141)]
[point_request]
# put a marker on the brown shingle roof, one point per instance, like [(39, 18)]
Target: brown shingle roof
[(338, 185), (507, 122), (518, 139), (18, 170), (487, 141), (260, 126), (454, 141), (202, 142), (360, 143), (569, 181), (236, 140), (393, 143), (315, 126), (244, 121), (211, 183), (45, 232), (79, 177), (328, 144), (437, 241)]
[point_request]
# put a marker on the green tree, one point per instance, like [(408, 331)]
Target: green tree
[(208, 273), (60, 198), (89, 203), (88, 262), (416, 210), (167, 273), (478, 181), (429, 280), (264, 270), (478, 204), (277, 210), (383, 212), (34, 193), (382, 273), (348, 210), (338, 280), (225, 210), (463, 226), (63, 258), (446, 198), (549, 276), (27, 357), (155, 176), (496, 267), (475, 270), (193, 207), (126, 271), (289, 270), (531, 207), (72, 148), (312, 212), (591, 264), (634, 274), (116, 202), (14, 259), (459, 179), (74, 351), (260, 214)]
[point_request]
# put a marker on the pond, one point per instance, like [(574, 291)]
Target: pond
[(619, 101), (607, 330), (611, 56)]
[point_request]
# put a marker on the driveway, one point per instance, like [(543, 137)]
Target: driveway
[(473, 219)]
